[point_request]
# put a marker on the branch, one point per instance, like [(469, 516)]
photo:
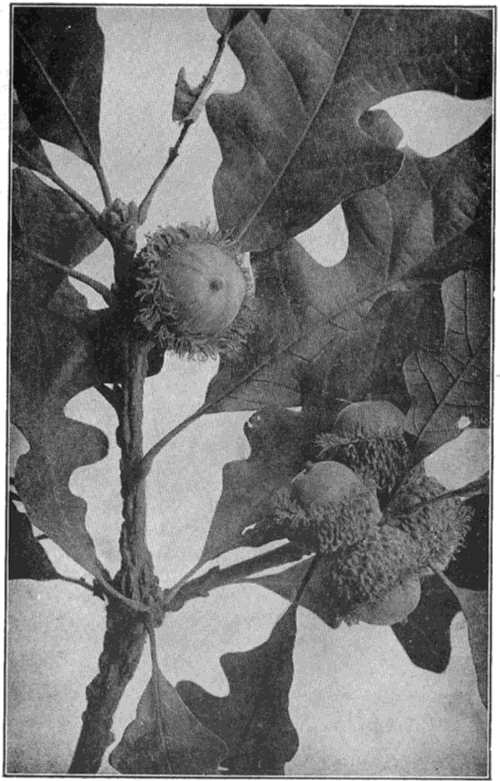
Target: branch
[(94, 162), (87, 207), (125, 631), (174, 150), (236, 573), (77, 581), (103, 291), (123, 645)]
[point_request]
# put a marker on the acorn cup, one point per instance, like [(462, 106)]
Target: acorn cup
[(439, 526), (368, 437), (193, 293), (326, 506)]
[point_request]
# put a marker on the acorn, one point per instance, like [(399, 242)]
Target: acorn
[(393, 607), (368, 436), (193, 292), (439, 526), (377, 580), (326, 506)]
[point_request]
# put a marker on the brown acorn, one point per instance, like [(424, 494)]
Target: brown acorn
[(194, 292)]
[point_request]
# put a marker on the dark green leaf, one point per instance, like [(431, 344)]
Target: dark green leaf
[(469, 567), (318, 329), (425, 635), (277, 437), (27, 557), (291, 140), (253, 719), (185, 746), (69, 44), (454, 383)]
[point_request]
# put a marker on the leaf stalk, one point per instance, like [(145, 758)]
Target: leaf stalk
[(87, 207)]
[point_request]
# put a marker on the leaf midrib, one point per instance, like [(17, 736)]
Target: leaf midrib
[(458, 379)]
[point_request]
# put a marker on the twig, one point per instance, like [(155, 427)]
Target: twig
[(155, 679), (172, 155), (236, 573), (133, 604), (474, 488), (174, 150), (103, 290), (94, 162), (77, 581), (147, 461), (305, 580), (87, 207), (172, 592)]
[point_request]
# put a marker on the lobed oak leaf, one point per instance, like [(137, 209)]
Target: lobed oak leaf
[(292, 143), (331, 332), (165, 737), (253, 719)]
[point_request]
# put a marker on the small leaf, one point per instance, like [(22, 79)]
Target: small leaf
[(27, 557), (469, 567), (425, 635), (24, 135), (190, 748), (69, 44), (291, 141), (455, 383), (277, 437), (330, 331), (253, 719), (185, 99)]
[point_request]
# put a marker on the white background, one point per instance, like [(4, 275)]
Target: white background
[(359, 705)]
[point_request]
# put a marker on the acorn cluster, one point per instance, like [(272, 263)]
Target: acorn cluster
[(194, 293), (376, 560)]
